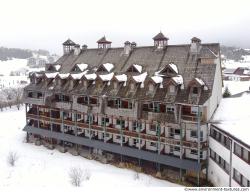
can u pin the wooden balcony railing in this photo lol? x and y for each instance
(163, 140)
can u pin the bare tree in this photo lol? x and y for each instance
(12, 158)
(76, 176)
(17, 96)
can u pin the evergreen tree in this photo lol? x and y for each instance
(226, 93)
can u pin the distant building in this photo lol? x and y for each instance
(238, 74)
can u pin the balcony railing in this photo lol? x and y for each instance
(113, 130)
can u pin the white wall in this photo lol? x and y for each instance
(217, 175)
(216, 92)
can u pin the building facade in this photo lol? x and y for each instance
(150, 103)
(229, 161)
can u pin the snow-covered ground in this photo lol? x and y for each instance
(231, 64)
(236, 86)
(38, 167)
(14, 65)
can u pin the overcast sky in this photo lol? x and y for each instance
(46, 24)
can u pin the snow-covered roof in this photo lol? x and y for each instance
(108, 66)
(91, 76)
(121, 78)
(233, 116)
(140, 78)
(157, 79)
(77, 76)
(63, 75)
(57, 67)
(106, 77)
(51, 75)
(173, 67)
(200, 81)
(82, 66)
(246, 72)
(229, 71)
(138, 67)
(178, 79)
(38, 75)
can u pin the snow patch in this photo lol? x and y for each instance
(106, 77)
(108, 66)
(77, 76)
(173, 67)
(82, 66)
(178, 79)
(121, 78)
(51, 75)
(138, 67)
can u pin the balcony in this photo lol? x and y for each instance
(33, 100)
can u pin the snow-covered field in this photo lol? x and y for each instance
(236, 86)
(37, 167)
(14, 65)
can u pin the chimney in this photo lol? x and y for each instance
(133, 45)
(195, 46)
(127, 48)
(68, 46)
(77, 49)
(84, 47)
(160, 41)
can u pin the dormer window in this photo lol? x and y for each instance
(106, 67)
(195, 90)
(169, 70)
(134, 69)
(115, 85)
(151, 87)
(171, 89)
(132, 87)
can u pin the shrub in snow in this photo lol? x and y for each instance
(136, 176)
(87, 175)
(12, 158)
(226, 93)
(76, 176)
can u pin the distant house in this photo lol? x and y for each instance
(238, 74)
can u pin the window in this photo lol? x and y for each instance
(193, 152)
(245, 182)
(170, 109)
(237, 176)
(115, 85)
(121, 123)
(105, 121)
(171, 89)
(156, 107)
(89, 119)
(177, 131)
(136, 126)
(152, 144)
(118, 103)
(151, 87)
(130, 105)
(177, 148)
(245, 155)
(193, 134)
(212, 154)
(237, 149)
(152, 127)
(195, 90)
